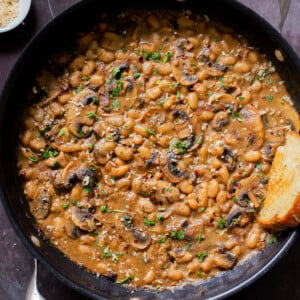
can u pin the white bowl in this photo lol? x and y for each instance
(24, 6)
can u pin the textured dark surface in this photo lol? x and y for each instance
(16, 264)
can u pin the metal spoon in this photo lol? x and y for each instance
(32, 292)
(284, 9)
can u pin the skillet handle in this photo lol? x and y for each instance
(32, 292)
(284, 9)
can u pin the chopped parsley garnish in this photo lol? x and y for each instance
(200, 274)
(241, 98)
(202, 208)
(235, 115)
(125, 279)
(55, 166)
(221, 223)
(160, 218)
(61, 132)
(115, 72)
(85, 78)
(104, 209)
(136, 75)
(175, 85)
(162, 240)
(116, 91)
(155, 72)
(181, 146)
(200, 237)
(156, 56)
(78, 90)
(91, 115)
(106, 253)
(124, 49)
(149, 223)
(272, 239)
(178, 235)
(234, 199)
(187, 246)
(199, 138)
(115, 105)
(49, 152)
(167, 57)
(66, 205)
(269, 98)
(33, 158)
(150, 131)
(202, 256)
(95, 100)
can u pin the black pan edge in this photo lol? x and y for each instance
(274, 36)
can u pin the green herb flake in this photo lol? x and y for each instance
(149, 223)
(221, 223)
(259, 175)
(160, 218)
(187, 246)
(234, 199)
(123, 49)
(200, 236)
(115, 105)
(202, 208)
(272, 239)
(200, 274)
(179, 235)
(78, 90)
(150, 131)
(61, 132)
(91, 115)
(156, 56)
(125, 279)
(241, 98)
(115, 72)
(49, 152)
(155, 72)
(66, 205)
(167, 57)
(235, 115)
(95, 100)
(136, 75)
(33, 158)
(162, 240)
(85, 78)
(269, 98)
(202, 256)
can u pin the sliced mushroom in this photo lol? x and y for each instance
(248, 190)
(230, 158)
(251, 119)
(72, 230)
(135, 235)
(232, 217)
(193, 230)
(268, 151)
(41, 203)
(224, 102)
(159, 191)
(224, 259)
(83, 219)
(171, 170)
(181, 75)
(220, 120)
(118, 70)
(79, 124)
(153, 161)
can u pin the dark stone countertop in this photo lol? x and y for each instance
(16, 263)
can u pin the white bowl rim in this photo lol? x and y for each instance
(24, 6)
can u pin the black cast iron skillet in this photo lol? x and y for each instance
(78, 18)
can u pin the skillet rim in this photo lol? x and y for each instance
(17, 227)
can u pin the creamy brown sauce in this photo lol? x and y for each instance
(147, 158)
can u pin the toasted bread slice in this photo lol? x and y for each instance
(281, 207)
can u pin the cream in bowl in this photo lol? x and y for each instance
(12, 13)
